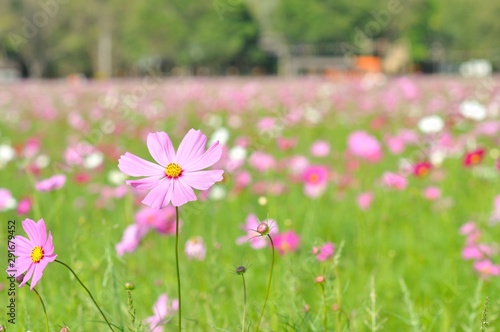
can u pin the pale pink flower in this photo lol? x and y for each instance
(33, 253)
(242, 179)
(195, 248)
(7, 201)
(432, 193)
(262, 161)
(365, 200)
(320, 148)
(486, 268)
(286, 242)
(162, 220)
(394, 181)
(395, 144)
(256, 240)
(175, 175)
(131, 239)
(326, 251)
(285, 143)
(162, 310)
(297, 164)
(363, 145)
(53, 183)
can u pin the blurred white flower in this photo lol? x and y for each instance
(116, 177)
(217, 193)
(7, 153)
(237, 153)
(473, 110)
(431, 124)
(42, 161)
(93, 160)
(195, 248)
(312, 115)
(221, 135)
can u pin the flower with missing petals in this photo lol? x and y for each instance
(175, 174)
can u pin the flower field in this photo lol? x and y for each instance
(364, 204)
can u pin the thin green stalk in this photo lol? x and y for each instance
(268, 283)
(88, 292)
(44, 308)
(339, 299)
(244, 303)
(177, 266)
(325, 309)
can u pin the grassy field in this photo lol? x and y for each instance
(398, 264)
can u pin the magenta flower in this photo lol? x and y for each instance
(365, 146)
(162, 310)
(131, 239)
(33, 253)
(24, 206)
(257, 241)
(175, 175)
(432, 193)
(326, 251)
(53, 183)
(286, 242)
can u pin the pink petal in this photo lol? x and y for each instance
(191, 147)
(32, 231)
(201, 180)
(182, 194)
(132, 165)
(160, 196)
(23, 246)
(48, 247)
(42, 232)
(37, 274)
(145, 183)
(161, 149)
(28, 275)
(22, 265)
(207, 159)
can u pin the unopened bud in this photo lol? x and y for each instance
(19, 279)
(64, 329)
(2, 328)
(263, 229)
(319, 279)
(241, 269)
(129, 286)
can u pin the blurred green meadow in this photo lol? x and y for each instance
(397, 266)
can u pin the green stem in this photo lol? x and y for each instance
(339, 299)
(268, 283)
(177, 266)
(325, 309)
(44, 308)
(244, 304)
(88, 292)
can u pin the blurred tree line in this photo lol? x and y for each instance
(112, 37)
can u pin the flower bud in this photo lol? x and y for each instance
(19, 279)
(319, 279)
(241, 269)
(263, 229)
(64, 329)
(2, 328)
(129, 286)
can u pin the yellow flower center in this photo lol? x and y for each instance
(423, 171)
(173, 170)
(36, 254)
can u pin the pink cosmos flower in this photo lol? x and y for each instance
(162, 220)
(432, 193)
(33, 253)
(395, 144)
(394, 181)
(131, 239)
(320, 148)
(365, 200)
(286, 242)
(326, 251)
(422, 169)
(365, 146)
(257, 241)
(315, 178)
(53, 183)
(262, 161)
(286, 143)
(162, 310)
(473, 158)
(195, 248)
(486, 268)
(24, 206)
(175, 175)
